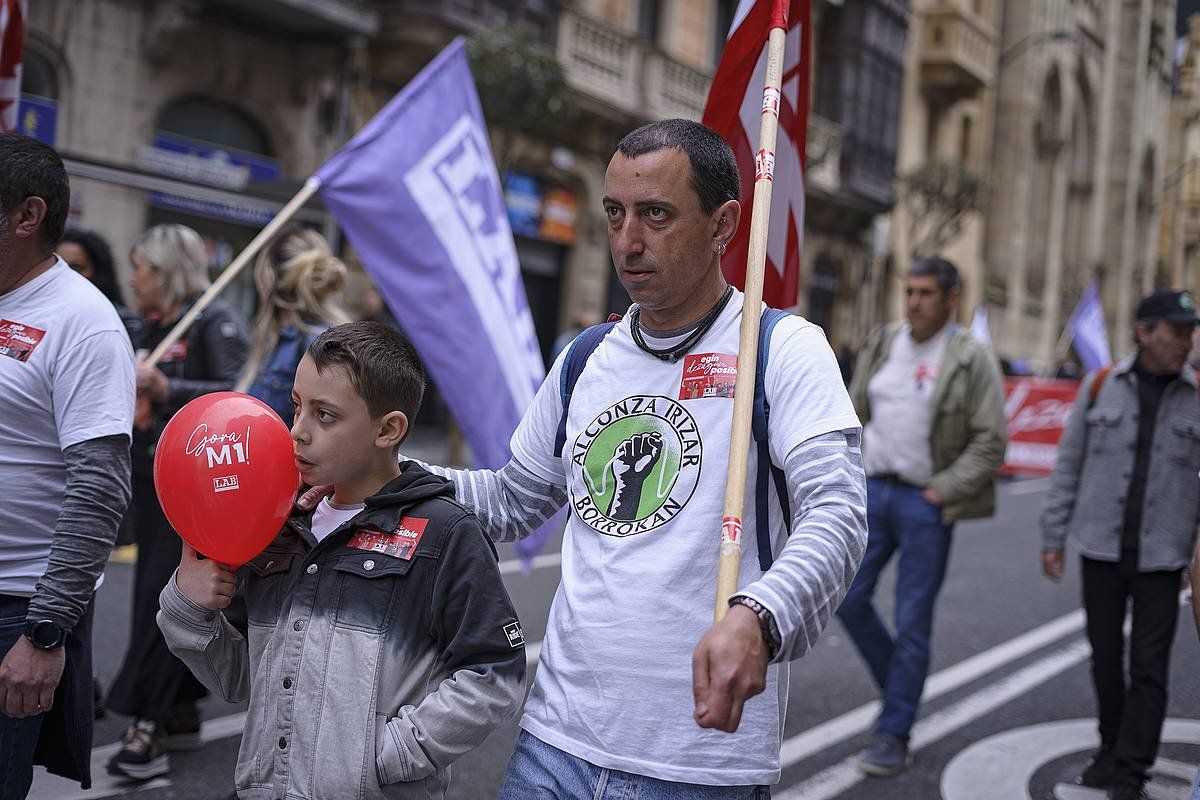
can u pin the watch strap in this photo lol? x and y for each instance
(766, 620)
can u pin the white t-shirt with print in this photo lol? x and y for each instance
(896, 438)
(66, 376)
(645, 471)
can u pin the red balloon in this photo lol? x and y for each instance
(225, 474)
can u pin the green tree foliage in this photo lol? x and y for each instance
(523, 90)
(939, 197)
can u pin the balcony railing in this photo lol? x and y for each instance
(958, 51)
(627, 73)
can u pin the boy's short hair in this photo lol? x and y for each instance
(382, 364)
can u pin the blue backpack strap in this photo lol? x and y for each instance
(578, 353)
(767, 471)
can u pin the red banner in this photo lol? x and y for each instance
(1037, 411)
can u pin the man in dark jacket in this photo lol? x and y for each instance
(1125, 490)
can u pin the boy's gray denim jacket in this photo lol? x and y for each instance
(367, 672)
(1095, 461)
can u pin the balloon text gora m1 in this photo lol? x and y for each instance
(224, 503)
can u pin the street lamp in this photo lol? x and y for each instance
(1021, 45)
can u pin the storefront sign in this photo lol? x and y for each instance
(1037, 410)
(540, 212)
(199, 162)
(37, 118)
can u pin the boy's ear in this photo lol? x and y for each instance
(393, 427)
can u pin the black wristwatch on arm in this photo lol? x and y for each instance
(766, 620)
(45, 634)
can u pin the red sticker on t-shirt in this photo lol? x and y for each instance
(18, 341)
(708, 375)
(401, 542)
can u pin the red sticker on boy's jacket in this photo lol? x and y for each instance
(708, 375)
(401, 542)
(18, 341)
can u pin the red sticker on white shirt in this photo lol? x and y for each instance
(399, 543)
(925, 373)
(708, 375)
(18, 341)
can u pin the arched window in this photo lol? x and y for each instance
(215, 123)
(38, 76)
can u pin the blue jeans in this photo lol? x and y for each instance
(898, 518)
(538, 771)
(18, 737)
(1196, 788)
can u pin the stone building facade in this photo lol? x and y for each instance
(1078, 170)
(213, 112)
(206, 113)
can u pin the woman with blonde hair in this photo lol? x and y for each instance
(300, 284)
(170, 270)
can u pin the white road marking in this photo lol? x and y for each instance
(1001, 766)
(852, 723)
(844, 775)
(545, 560)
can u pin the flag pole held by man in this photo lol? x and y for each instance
(630, 430)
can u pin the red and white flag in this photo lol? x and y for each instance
(734, 109)
(13, 16)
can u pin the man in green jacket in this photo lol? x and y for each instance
(930, 399)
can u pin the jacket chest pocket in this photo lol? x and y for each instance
(1103, 429)
(367, 588)
(1185, 442)
(269, 574)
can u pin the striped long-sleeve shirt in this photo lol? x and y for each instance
(808, 579)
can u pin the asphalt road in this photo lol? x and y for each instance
(1008, 710)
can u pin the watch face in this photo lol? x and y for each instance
(45, 634)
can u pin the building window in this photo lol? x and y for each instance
(725, 10)
(38, 77)
(216, 123)
(649, 17)
(964, 145)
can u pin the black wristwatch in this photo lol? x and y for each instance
(45, 634)
(766, 620)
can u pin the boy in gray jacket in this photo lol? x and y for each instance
(381, 643)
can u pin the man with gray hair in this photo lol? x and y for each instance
(66, 413)
(931, 402)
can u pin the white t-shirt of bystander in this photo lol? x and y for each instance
(896, 437)
(66, 376)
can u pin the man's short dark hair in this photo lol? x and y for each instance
(714, 169)
(382, 364)
(945, 272)
(29, 168)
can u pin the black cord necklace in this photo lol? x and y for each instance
(672, 354)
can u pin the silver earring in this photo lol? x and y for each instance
(721, 249)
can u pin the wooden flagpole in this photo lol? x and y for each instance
(743, 394)
(236, 266)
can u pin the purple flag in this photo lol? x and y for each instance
(418, 195)
(1088, 330)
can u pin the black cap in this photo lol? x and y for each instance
(1169, 305)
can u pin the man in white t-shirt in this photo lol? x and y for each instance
(931, 402)
(66, 414)
(637, 693)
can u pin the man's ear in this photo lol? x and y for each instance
(725, 223)
(393, 427)
(29, 216)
